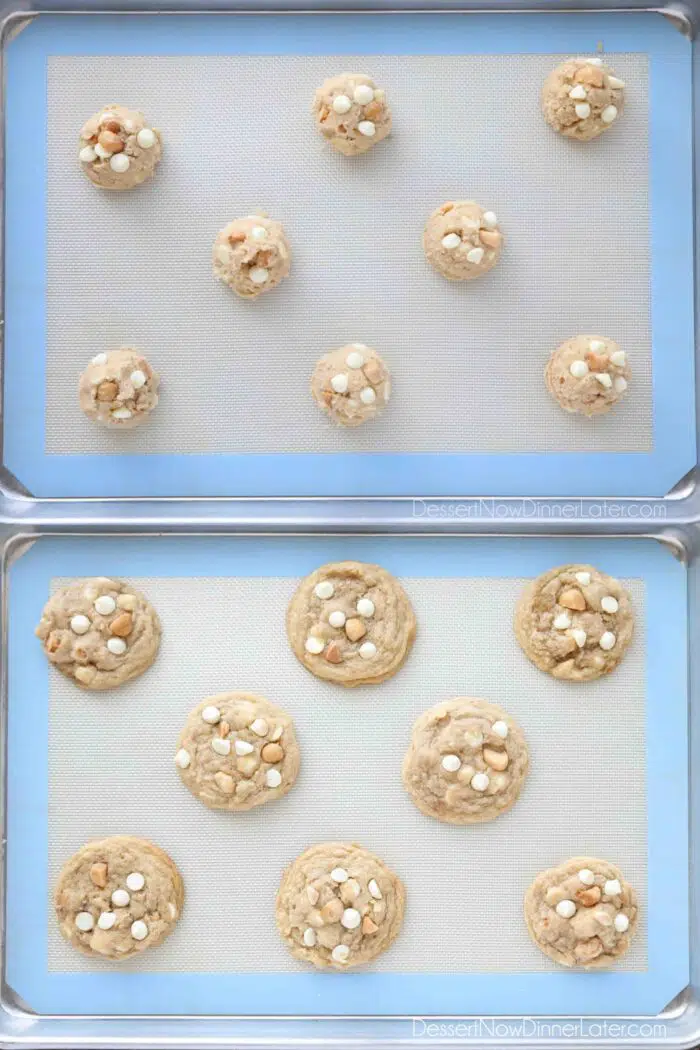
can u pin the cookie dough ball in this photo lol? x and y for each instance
(587, 374)
(582, 98)
(117, 149)
(118, 897)
(582, 913)
(237, 751)
(351, 384)
(251, 255)
(99, 632)
(351, 623)
(339, 906)
(462, 241)
(466, 762)
(351, 112)
(574, 622)
(119, 389)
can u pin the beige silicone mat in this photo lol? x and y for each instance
(467, 361)
(111, 771)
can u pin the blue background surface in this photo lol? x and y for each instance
(559, 992)
(368, 474)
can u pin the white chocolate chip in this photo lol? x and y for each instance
(105, 605)
(618, 358)
(367, 395)
(363, 94)
(242, 747)
(273, 778)
(107, 920)
(87, 155)
(365, 607)
(101, 152)
(480, 781)
(276, 733)
(145, 138)
(116, 646)
(586, 876)
(475, 255)
(341, 104)
(489, 219)
(337, 618)
(314, 645)
(578, 369)
(351, 919)
(451, 240)
(566, 909)
(309, 937)
(258, 274)
(582, 110)
(619, 384)
(578, 93)
(211, 715)
(138, 379)
(79, 624)
(500, 729)
(99, 359)
(612, 887)
(615, 82)
(451, 763)
(119, 163)
(340, 383)
(122, 413)
(221, 745)
(339, 875)
(259, 726)
(374, 890)
(128, 125)
(562, 622)
(596, 345)
(367, 128)
(608, 114)
(135, 881)
(579, 636)
(340, 953)
(367, 650)
(584, 578)
(120, 898)
(621, 922)
(139, 930)
(182, 759)
(604, 379)
(258, 233)
(354, 360)
(609, 604)
(607, 640)
(324, 589)
(84, 921)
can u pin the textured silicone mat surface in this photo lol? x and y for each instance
(111, 770)
(466, 361)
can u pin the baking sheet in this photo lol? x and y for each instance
(110, 770)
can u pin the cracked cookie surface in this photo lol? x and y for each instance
(351, 623)
(119, 389)
(582, 913)
(574, 622)
(466, 762)
(118, 896)
(339, 906)
(117, 149)
(582, 98)
(462, 241)
(351, 113)
(99, 632)
(351, 385)
(251, 255)
(237, 751)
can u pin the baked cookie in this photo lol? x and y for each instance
(117, 149)
(574, 622)
(351, 623)
(237, 751)
(462, 241)
(466, 762)
(118, 389)
(339, 906)
(99, 632)
(251, 255)
(351, 112)
(118, 896)
(582, 98)
(587, 374)
(351, 384)
(581, 913)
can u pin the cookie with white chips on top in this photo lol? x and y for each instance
(237, 751)
(352, 113)
(339, 906)
(251, 255)
(574, 622)
(588, 374)
(462, 241)
(99, 632)
(351, 385)
(117, 149)
(582, 98)
(582, 913)
(467, 761)
(118, 896)
(119, 389)
(351, 623)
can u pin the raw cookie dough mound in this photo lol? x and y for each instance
(574, 622)
(582, 98)
(461, 241)
(587, 374)
(237, 751)
(118, 896)
(119, 389)
(351, 623)
(466, 762)
(351, 384)
(117, 149)
(251, 255)
(99, 632)
(582, 913)
(339, 906)
(352, 113)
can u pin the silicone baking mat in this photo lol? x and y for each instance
(608, 778)
(598, 239)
